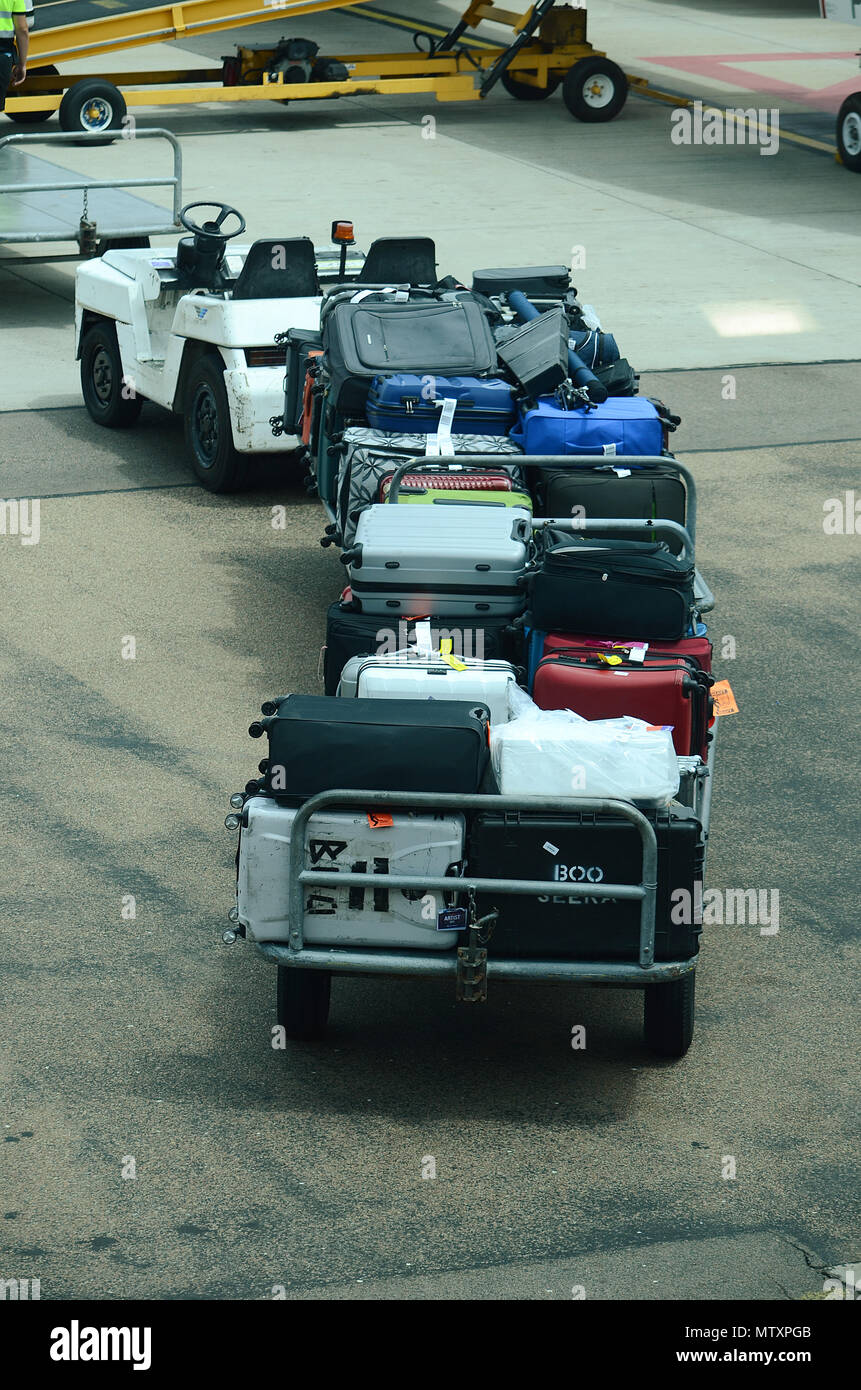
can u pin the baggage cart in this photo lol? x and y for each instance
(305, 972)
(44, 202)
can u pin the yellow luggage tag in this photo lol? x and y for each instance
(609, 659)
(445, 650)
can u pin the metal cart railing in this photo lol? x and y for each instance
(373, 960)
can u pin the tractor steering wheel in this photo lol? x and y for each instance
(212, 228)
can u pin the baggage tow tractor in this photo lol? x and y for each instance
(198, 330)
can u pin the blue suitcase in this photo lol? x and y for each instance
(620, 425)
(485, 405)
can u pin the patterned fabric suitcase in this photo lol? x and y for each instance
(369, 456)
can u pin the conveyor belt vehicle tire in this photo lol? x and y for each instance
(91, 106)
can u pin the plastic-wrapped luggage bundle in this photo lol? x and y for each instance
(558, 753)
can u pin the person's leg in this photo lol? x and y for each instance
(6, 62)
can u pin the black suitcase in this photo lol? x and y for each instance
(537, 355)
(299, 341)
(650, 491)
(619, 379)
(317, 744)
(425, 337)
(545, 281)
(364, 634)
(597, 587)
(583, 848)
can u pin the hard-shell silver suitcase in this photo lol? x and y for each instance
(459, 561)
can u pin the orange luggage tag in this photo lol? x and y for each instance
(724, 700)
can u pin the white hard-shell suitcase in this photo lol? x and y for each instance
(414, 675)
(457, 561)
(343, 841)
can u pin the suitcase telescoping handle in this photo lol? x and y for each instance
(589, 462)
(622, 525)
(454, 465)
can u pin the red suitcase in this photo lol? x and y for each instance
(452, 482)
(664, 689)
(700, 648)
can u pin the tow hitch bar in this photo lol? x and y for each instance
(472, 959)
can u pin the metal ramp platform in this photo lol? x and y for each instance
(45, 202)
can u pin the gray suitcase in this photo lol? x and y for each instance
(368, 456)
(456, 561)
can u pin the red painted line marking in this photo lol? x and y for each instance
(723, 68)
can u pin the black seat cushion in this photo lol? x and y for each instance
(280, 268)
(400, 260)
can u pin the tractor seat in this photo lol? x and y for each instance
(400, 260)
(280, 268)
(199, 260)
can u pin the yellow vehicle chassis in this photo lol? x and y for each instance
(538, 59)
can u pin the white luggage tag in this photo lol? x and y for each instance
(424, 642)
(440, 445)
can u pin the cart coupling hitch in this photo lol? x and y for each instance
(472, 959)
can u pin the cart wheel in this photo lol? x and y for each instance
(524, 92)
(303, 1001)
(92, 106)
(668, 1016)
(208, 432)
(849, 132)
(595, 89)
(102, 382)
(34, 117)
